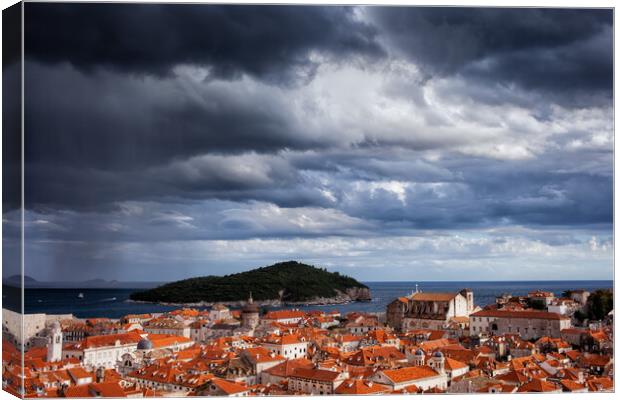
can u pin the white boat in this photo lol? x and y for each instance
(81, 296)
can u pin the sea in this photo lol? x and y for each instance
(114, 303)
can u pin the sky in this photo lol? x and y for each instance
(386, 143)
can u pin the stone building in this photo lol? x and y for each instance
(422, 310)
(527, 324)
(33, 326)
(250, 314)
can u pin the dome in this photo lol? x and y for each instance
(145, 344)
(438, 354)
(419, 352)
(55, 326)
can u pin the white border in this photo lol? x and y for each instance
(479, 3)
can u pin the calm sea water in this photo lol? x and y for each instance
(113, 303)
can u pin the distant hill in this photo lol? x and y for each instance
(287, 282)
(16, 280)
(31, 283)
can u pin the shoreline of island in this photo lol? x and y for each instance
(320, 301)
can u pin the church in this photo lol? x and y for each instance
(421, 310)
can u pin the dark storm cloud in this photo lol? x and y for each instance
(273, 43)
(102, 130)
(557, 51)
(112, 121)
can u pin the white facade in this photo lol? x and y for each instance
(558, 309)
(107, 356)
(290, 351)
(54, 345)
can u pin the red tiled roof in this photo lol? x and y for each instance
(229, 387)
(452, 364)
(434, 296)
(160, 340)
(538, 385)
(571, 386)
(598, 384)
(321, 375)
(105, 389)
(110, 340)
(286, 368)
(284, 314)
(409, 374)
(359, 386)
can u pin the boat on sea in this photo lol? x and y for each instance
(81, 295)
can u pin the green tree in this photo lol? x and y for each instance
(537, 304)
(580, 315)
(599, 304)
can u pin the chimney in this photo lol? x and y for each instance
(100, 374)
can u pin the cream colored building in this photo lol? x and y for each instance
(33, 325)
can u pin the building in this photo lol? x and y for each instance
(219, 311)
(33, 326)
(288, 346)
(540, 295)
(580, 296)
(222, 387)
(283, 317)
(54, 344)
(422, 377)
(362, 387)
(250, 314)
(167, 326)
(315, 381)
(527, 324)
(423, 310)
(136, 318)
(563, 306)
(106, 350)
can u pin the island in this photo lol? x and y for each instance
(289, 282)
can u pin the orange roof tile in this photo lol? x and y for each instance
(422, 296)
(359, 386)
(409, 374)
(229, 387)
(321, 375)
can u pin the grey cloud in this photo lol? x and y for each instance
(560, 52)
(274, 43)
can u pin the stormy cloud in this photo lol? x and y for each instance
(191, 139)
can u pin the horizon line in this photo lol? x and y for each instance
(368, 281)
